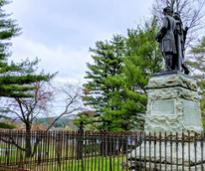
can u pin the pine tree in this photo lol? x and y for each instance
(108, 60)
(110, 117)
(89, 120)
(118, 76)
(143, 58)
(15, 79)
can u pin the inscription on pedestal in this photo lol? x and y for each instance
(191, 113)
(163, 107)
(173, 104)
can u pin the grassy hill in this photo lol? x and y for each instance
(61, 123)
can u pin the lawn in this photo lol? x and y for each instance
(89, 164)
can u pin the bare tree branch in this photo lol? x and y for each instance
(72, 105)
(11, 141)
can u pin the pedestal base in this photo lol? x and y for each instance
(168, 156)
(168, 167)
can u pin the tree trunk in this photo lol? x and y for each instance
(28, 152)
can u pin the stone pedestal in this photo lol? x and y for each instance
(170, 156)
(173, 104)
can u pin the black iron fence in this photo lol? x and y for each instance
(101, 151)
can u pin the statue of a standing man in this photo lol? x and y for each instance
(180, 39)
(167, 40)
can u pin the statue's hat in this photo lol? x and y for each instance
(176, 15)
(168, 9)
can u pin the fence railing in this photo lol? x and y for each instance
(101, 151)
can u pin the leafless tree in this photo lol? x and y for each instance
(71, 100)
(29, 109)
(191, 11)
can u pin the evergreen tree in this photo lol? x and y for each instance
(89, 120)
(143, 58)
(117, 79)
(15, 79)
(108, 59)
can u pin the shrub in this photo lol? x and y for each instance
(6, 126)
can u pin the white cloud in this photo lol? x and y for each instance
(66, 81)
(69, 63)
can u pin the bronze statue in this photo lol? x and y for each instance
(180, 39)
(172, 39)
(166, 38)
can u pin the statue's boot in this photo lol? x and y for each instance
(186, 70)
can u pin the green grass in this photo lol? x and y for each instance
(9, 156)
(91, 164)
(113, 163)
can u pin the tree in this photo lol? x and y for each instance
(141, 61)
(27, 110)
(89, 120)
(116, 82)
(191, 11)
(108, 61)
(15, 79)
(18, 82)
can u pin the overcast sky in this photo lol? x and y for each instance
(61, 32)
